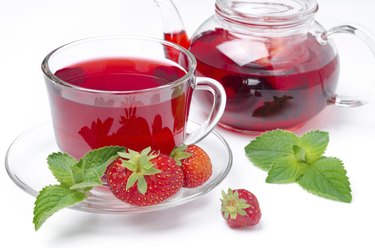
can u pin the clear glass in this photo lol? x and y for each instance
(38, 142)
(267, 13)
(86, 118)
(278, 65)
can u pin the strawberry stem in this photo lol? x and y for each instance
(179, 154)
(140, 164)
(232, 204)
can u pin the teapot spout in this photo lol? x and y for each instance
(173, 27)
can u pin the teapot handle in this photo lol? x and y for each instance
(369, 40)
(217, 110)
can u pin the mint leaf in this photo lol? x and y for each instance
(289, 158)
(86, 186)
(96, 159)
(61, 165)
(76, 179)
(314, 143)
(53, 198)
(271, 146)
(94, 163)
(327, 178)
(299, 153)
(285, 170)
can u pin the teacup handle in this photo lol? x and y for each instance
(217, 110)
(369, 40)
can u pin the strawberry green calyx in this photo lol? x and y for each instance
(140, 164)
(179, 154)
(232, 204)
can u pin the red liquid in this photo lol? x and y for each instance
(274, 83)
(179, 38)
(85, 121)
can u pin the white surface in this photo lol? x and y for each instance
(291, 217)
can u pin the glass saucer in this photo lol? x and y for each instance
(38, 142)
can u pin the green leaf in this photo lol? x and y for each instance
(86, 186)
(314, 143)
(94, 163)
(98, 158)
(286, 170)
(327, 178)
(271, 146)
(53, 198)
(289, 158)
(93, 176)
(299, 153)
(61, 165)
(76, 179)
(78, 174)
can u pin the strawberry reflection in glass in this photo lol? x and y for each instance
(134, 133)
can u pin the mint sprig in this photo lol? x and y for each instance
(288, 158)
(327, 177)
(53, 198)
(76, 179)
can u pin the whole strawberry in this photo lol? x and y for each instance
(240, 208)
(145, 178)
(196, 164)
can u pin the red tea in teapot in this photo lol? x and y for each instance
(270, 82)
(81, 127)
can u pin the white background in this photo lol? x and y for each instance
(29, 29)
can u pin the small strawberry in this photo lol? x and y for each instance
(145, 178)
(240, 208)
(196, 164)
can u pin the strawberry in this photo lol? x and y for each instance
(240, 208)
(145, 178)
(196, 164)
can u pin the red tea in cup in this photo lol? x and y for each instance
(98, 98)
(135, 124)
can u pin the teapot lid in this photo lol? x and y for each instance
(267, 12)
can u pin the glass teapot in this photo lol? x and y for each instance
(277, 64)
